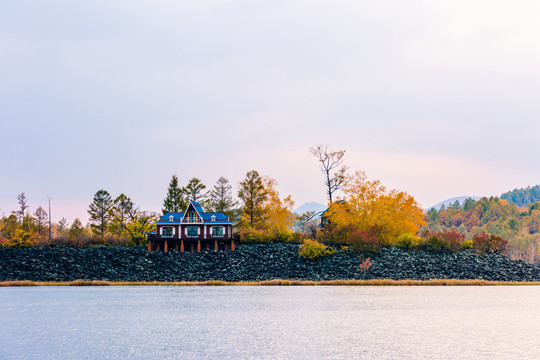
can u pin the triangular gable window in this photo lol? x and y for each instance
(192, 215)
(192, 208)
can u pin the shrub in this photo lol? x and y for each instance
(432, 244)
(407, 241)
(313, 250)
(445, 240)
(21, 238)
(365, 265)
(484, 243)
(364, 241)
(296, 238)
(467, 244)
(252, 235)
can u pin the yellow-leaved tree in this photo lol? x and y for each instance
(279, 218)
(369, 211)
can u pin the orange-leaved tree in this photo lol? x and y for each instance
(279, 218)
(369, 208)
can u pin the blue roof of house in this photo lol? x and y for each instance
(220, 218)
(197, 207)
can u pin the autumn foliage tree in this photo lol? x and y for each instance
(279, 217)
(518, 226)
(264, 215)
(369, 209)
(489, 244)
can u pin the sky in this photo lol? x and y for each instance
(435, 98)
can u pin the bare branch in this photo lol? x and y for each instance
(330, 162)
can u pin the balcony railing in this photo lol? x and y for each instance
(187, 237)
(192, 220)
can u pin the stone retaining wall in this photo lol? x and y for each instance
(250, 262)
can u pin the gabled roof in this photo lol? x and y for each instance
(220, 218)
(197, 206)
(165, 219)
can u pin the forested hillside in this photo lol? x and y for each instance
(520, 226)
(523, 197)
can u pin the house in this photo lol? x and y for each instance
(192, 230)
(325, 215)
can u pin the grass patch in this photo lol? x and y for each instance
(275, 282)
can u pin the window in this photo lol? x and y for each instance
(192, 231)
(217, 231)
(171, 218)
(166, 232)
(192, 217)
(213, 217)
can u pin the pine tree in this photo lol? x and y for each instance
(253, 195)
(194, 190)
(174, 201)
(220, 197)
(121, 212)
(76, 230)
(99, 212)
(62, 226)
(40, 218)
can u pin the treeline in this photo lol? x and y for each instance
(519, 226)
(257, 212)
(112, 222)
(523, 197)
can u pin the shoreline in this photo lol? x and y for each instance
(276, 282)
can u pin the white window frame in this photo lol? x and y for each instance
(222, 231)
(163, 231)
(193, 236)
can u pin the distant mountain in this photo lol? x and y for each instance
(523, 197)
(447, 202)
(310, 206)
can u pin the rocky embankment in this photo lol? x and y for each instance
(250, 262)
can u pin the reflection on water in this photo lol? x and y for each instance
(270, 323)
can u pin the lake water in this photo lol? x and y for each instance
(270, 322)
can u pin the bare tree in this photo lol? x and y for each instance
(21, 198)
(332, 168)
(309, 222)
